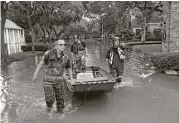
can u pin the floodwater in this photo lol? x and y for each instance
(139, 98)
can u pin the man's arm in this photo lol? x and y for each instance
(68, 68)
(70, 74)
(72, 56)
(72, 53)
(107, 59)
(71, 82)
(86, 51)
(40, 65)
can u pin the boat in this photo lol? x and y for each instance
(92, 78)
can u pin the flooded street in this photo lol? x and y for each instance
(138, 99)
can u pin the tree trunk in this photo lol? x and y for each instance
(44, 34)
(59, 34)
(67, 38)
(50, 38)
(118, 26)
(3, 17)
(32, 34)
(49, 35)
(144, 31)
(55, 32)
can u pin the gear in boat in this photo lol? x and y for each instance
(92, 79)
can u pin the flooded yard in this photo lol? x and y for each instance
(138, 99)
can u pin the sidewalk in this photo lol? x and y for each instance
(19, 57)
(144, 43)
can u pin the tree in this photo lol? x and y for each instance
(69, 13)
(78, 28)
(114, 13)
(25, 12)
(117, 12)
(4, 9)
(52, 17)
(57, 16)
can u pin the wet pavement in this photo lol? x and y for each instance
(138, 99)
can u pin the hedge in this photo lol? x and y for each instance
(26, 48)
(167, 61)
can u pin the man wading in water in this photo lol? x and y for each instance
(55, 62)
(79, 53)
(115, 58)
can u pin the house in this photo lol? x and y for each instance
(153, 27)
(171, 19)
(13, 37)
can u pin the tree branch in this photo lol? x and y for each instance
(44, 9)
(145, 4)
(47, 30)
(32, 11)
(159, 4)
(54, 31)
(136, 4)
(9, 9)
(21, 5)
(58, 35)
(159, 10)
(6, 9)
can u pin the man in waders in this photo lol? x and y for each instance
(115, 58)
(79, 53)
(55, 62)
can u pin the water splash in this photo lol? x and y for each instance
(143, 76)
(126, 81)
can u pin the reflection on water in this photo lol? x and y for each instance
(23, 100)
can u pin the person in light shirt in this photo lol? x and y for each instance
(115, 57)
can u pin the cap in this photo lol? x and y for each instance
(115, 38)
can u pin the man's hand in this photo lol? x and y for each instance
(86, 55)
(72, 81)
(123, 45)
(34, 78)
(73, 59)
(70, 84)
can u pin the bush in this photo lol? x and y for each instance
(166, 61)
(25, 48)
(28, 38)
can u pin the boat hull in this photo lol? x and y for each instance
(102, 81)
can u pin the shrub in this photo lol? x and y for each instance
(26, 48)
(166, 61)
(28, 38)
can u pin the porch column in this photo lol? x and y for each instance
(7, 41)
(14, 41)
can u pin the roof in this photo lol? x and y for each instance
(11, 25)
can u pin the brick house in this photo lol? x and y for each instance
(171, 20)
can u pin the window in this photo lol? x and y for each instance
(138, 31)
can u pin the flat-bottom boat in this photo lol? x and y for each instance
(92, 79)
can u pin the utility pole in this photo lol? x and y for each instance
(102, 27)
